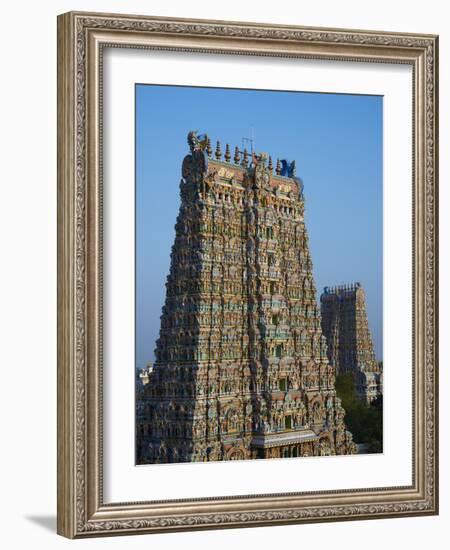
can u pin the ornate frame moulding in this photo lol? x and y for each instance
(81, 509)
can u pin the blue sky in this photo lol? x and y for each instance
(336, 141)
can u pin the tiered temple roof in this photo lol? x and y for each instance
(241, 366)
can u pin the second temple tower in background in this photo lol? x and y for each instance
(350, 346)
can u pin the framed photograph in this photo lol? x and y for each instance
(247, 274)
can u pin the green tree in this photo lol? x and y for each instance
(364, 421)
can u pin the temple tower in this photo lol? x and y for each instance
(241, 366)
(350, 347)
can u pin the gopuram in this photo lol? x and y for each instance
(241, 368)
(350, 347)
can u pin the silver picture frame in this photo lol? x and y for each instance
(82, 37)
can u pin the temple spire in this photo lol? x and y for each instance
(236, 157)
(245, 159)
(218, 151)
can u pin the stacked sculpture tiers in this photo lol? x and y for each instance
(241, 368)
(350, 347)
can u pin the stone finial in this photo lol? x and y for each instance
(278, 168)
(245, 159)
(208, 147)
(270, 165)
(236, 157)
(218, 151)
(227, 153)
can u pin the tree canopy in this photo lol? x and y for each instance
(364, 421)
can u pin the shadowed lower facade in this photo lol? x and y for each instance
(241, 367)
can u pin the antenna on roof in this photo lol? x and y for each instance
(247, 140)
